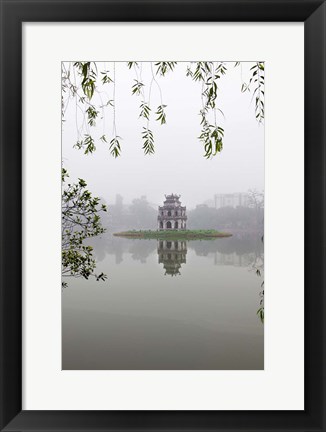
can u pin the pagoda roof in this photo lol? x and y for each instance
(172, 197)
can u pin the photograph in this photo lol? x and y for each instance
(173, 194)
(163, 180)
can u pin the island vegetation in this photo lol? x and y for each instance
(173, 234)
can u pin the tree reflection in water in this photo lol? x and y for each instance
(240, 250)
(258, 267)
(248, 253)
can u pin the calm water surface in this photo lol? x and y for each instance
(167, 305)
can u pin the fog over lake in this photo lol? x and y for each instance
(169, 303)
(178, 164)
(161, 310)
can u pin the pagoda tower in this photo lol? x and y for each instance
(172, 215)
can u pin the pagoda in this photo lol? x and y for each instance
(172, 215)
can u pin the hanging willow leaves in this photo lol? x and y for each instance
(212, 139)
(221, 69)
(244, 87)
(208, 74)
(199, 72)
(89, 78)
(210, 92)
(148, 139)
(161, 114)
(87, 144)
(212, 75)
(164, 67)
(258, 80)
(144, 110)
(110, 102)
(137, 88)
(130, 64)
(92, 114)
(259, 92)
(115, 148)
(106, 79)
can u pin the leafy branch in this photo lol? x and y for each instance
(90, 112)
(106, 79)
(144, 110)
(137, 88)
(115, 148)
(88, 144)
(258, 80)
(80, 221)
(164, 67)
(89, 81)
(89, 76)
(131, 64)
(148, 139)
(161, 114)
(208, 73)
(212, 138)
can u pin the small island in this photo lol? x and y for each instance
(173, 234)
(172, 225)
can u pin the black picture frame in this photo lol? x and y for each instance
(13, 14)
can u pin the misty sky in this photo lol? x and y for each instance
(178, 164)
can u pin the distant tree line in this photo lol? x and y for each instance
(137, 215)
(141, 215)
(239, 218)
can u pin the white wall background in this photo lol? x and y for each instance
(280, 386)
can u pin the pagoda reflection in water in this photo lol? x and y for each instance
(172, 254)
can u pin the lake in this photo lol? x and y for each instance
(167, 305)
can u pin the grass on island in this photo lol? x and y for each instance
(173, 234)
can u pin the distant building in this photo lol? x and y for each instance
(172, 215)
(231, 200)
(118, 201)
